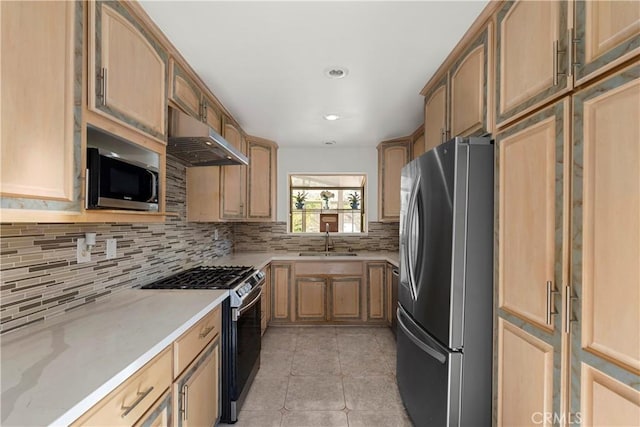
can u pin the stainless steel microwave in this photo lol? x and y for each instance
(117, 183)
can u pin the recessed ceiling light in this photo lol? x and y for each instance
(336, 72)
(332, 142)
(331, 117)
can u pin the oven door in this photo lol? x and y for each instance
(248, 343)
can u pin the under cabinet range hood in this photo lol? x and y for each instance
(196, 144)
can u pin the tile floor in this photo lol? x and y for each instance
(325, 377)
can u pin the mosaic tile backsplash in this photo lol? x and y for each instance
(273, 237)
(40, 276)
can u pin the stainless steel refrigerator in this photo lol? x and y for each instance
(444, 312)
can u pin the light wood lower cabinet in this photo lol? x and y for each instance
(377, 295)
(126, 404)
(154, 397)
(197, 391)
(311, 298)
(159, 415)
(281, 292)
(340, 292)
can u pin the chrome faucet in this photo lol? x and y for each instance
(326, 237)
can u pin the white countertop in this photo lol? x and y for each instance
(261, 259)
(55, 371)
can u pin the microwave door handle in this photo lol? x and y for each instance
(154, 186)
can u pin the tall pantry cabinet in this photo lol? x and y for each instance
(567, 348)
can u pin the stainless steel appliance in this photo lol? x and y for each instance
(196, 144)
(115, 182)
(241, 339)
(444, 312)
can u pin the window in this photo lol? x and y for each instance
(327, 202)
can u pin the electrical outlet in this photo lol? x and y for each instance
(112, 246)
(82, 252)
(215, 234)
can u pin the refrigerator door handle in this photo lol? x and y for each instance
(413, 198)
(431, 351)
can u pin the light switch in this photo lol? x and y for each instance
(112, 245)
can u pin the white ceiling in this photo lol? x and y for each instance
(265, 61)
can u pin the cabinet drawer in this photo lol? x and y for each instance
(127, 403)
(191, 343)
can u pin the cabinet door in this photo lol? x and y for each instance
(203, 194)
(40, 134)
(607, 33)
(127, 70)
(392, 156)
(212, 115)
(468, 89)
(346, 298)
(280, 292)
(376, 292)
(531, 56)
(435, 115)
(530, 221)
(418, 146)
(185, 92)
(265, 305)
(160, 413)
(233, 185)
(261, 188)
(605, 285)
(311, 298)
(197, 391)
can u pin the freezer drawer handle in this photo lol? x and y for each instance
(424, 347)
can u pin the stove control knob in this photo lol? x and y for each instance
(241, 291)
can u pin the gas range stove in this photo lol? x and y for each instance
(240, 280)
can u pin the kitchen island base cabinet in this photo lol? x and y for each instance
(197, 391)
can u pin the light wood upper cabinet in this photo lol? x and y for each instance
(418, 146)
(184, 92)
(261, 179)
(469, 82)
(197, 391)
(203, 194)
(531, 222)
(392, 156)
(532, 56)
(607, 33)
(212, 115)
(40, 136)
(605, 283)
(435, 115)
(127, 70)
(233, 179)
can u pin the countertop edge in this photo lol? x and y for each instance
(111, 384)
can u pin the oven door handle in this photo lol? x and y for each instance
(253, 302)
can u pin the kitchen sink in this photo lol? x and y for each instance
(313, 253)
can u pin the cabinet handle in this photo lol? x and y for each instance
(140, 398)
(206, 331)
(556, 52)
(442, 135)
(185, 401)
(102, 86)
(204, 111)
(573, 42)
(551, 307)
(568, 318)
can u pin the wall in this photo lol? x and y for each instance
(273, 237)
(40, 276)
(324, 160)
